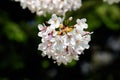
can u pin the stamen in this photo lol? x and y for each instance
(61, 26)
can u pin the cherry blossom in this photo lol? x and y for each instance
(61, 42)
(41, 7)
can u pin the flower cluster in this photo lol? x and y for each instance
(61, 42)
(41, 7)
(112, 1)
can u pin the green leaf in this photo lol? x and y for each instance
(110, 15)
(13, 32)
(71, 64)
(45, 64)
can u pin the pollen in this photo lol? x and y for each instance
(61, 26)
(67, 29)
(59, 32)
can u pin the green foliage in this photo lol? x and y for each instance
(72, 64)
(110, 16)
(45, 64)
(13, 32)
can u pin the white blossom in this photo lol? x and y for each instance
(112, 1)
(61, 42)
(41, 7)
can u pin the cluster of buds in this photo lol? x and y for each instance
(62, 42)
(59, 7)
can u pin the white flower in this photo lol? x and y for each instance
(112, 1)
(81, 24)
(61, 42)
(55, 21)
(41, 7)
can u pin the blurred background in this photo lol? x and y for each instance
(20, 59)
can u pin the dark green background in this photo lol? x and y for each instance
(20, 59)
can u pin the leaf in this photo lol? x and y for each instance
(13, 32)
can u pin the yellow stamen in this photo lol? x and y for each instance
(59, 33)
(67, 29)
(61, 26)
